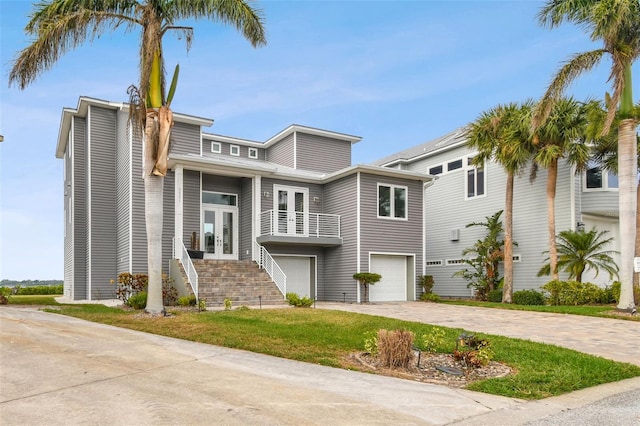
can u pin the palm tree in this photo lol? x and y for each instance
(616, 23)
(62, 25)
(580, 250)
(561, 137)
(502, 135)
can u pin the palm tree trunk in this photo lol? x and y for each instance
(153, 207)
(507, 288)
(627, 175)
(552, 179)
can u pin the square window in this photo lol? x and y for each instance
(234, 150)
(392, 201)
(216, 147)
(253, 152)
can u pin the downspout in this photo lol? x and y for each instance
(425, 186)
(358, 234)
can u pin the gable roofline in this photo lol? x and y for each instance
(214, 137)
(83, 107)
(449, 141)
(238, 167)
(312, 131)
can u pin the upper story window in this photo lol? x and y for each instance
(392, 201)
(219, 198)
(475, 180)
(437, 170)
(454, 165)
(234, 150)
(253, 152)
(598, 179)
(216, 147)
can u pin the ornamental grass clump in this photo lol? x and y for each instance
(395, 348)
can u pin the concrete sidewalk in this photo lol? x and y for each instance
(60, 370)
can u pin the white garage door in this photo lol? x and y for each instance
(298, 272)
(603, 224)
(393, 285)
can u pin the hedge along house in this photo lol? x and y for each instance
(294, 204)
(466, 194)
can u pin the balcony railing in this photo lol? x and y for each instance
(299, 224)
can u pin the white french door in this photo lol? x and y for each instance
(220, 231)
(291, 205)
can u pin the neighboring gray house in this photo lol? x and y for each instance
(295, 195)
(465, 194)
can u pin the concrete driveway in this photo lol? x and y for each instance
(58, 370)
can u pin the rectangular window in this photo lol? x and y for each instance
(392, 201)
(454, 165)
(216, 147)
(253, 152)
(455, 261)
(434, 262)
(594, 178)
(612, 180)
(597, 178)
(219, 198)
(437, 170)
(234, 150)
(475, 182)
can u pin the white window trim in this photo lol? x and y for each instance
(218, 193)
(455, 262)
(234, 148)
(392, 202)
(216, 147)
(434, 262)
(466, 169)
(253, 152)
(605, 182)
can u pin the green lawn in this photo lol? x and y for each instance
(46, 300)
(603, 311)
(326, 337)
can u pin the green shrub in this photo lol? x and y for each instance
(613, 292)
(299, 302)
(494, 296)
(575, 293)
(189, 300)
(371, 343)
(5, 293)
(39, 289)
(138, 300)
(430, 297)
(228, 304)
(169, 292)
(426, 282)
(473, 351)
(528, 297)
(433, 340)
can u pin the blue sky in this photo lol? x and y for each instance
(396, 73)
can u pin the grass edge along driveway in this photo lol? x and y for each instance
(325, 337)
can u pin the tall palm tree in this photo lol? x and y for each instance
(562, 136)
(59, 26)
(616, 23)
(582, 250)
(502, 134)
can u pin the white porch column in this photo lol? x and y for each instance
(179, 203)
(256, 209)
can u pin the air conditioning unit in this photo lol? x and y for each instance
(454, 234)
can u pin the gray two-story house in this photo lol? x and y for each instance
(465, 194)
(294, 201)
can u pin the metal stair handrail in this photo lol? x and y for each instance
(265, 261)
(180, 252)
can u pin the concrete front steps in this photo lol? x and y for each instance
(241, 281)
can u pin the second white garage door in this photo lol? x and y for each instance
(298, 272)
(393, 285)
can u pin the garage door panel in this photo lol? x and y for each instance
(298, 272)
(392, 287)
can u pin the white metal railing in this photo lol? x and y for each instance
(180, 252)
(299, 224)
(264, 260)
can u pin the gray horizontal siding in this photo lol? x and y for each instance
(68, 222)
(168, 223)
(138, 226)
(321, 154)
(340, 261)
(224, 184)
(185, 138)
(123, 179)
(602, 203)
(103, 201)
(226, 150)
(282, 152)
(79, 209)
(246, 219)
(390, 235)
(191, 205)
